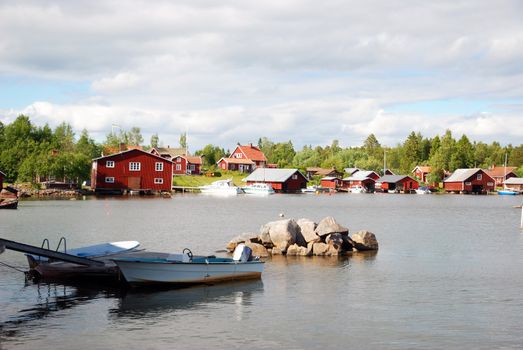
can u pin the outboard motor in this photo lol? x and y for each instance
(242, 253)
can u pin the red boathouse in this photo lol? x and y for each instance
(469, 181)
(281, 180)
(131, 170)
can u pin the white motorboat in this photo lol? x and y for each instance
(423, 190)
(258, 188)
(309, 189)
(357, 189)
(221, 187)
(191, 270)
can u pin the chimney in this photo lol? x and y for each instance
(123, 147)
(250, 144)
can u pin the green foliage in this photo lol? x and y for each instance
(211, 154)
(183, 140)
(155, 141)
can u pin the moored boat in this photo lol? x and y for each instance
(221, 187)
(423, 190)
(191, 270)
(258, 188)
(357, 189)
(507, 192)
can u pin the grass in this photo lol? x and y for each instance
(201, 180)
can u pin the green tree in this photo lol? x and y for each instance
(134, 137)
(183, 140)
(155, 140)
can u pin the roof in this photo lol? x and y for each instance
(514, 181)
(322, 171)
(271, 175)
(236, 161)
(360, 175)
(132, 150)
(194, 159)
(252, 152)
(351, 171)
(329, 178)
(460, 175)
(172, 152)
(392, 178)
(499, 171)
(423, 168)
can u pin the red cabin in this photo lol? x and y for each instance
(187, 165)
(331, 182)
(421, 172)
(244, 158)
(364, 178)
(131, 170)
(397, 183)
(469, 181)
(281, 180)
(500, 173)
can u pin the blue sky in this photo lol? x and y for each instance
(238, 70)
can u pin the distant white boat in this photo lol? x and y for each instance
(221, 187)
(309, 189)
(357, 189)
(423, 190)
(191, 270)
(258, 188)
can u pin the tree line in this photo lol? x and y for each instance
(30, 153)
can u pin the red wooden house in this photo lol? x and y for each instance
(281, 180)
(331, 182)
(2, 176)
(364, 178)
(187, 165)
(501, 173)
(469, 181)
(131, 170)
(397, 183)
(244, 158)
(421, 172)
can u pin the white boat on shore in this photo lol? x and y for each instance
(221, 187)
(423, 190)
(191, 270)
(258, 188)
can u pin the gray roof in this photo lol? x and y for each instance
(391, 178)
(360, 175)
(351, 171)
(514, 181)
(460, 175)
(271, 175)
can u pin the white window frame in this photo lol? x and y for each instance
(479, 177)
(109, 163)
(179, 160)
(295, 177)
(468, 183)
(178, 167)
(158, 181)
(158, 166)
(109, 180)
(135, 166)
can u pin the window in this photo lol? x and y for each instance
(478, 177)
(158, 166)
(238, 155)
(490, 184)
(178, 159)
(158, 180)
(109, 180)
(192, 167)
(178, 167)
(109, 164)
(294, 177)
(134, 166)
(468, 183)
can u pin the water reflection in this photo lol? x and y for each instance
(137, 303)
(51, 298)
(324, 261)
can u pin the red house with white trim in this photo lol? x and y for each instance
(131, 170)
(187, 165)
(469, 181)
(500, 173)
(244, 158)
(421, 172)
(331, 182)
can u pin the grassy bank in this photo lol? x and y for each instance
(201, 180)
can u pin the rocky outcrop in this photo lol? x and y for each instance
(305, 238)
(365, 240)
(328, 226)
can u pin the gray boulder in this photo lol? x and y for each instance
(281, 233)
(328, 226)
(258, 249)
(307, 228)
(242, 238)
(293, 249)
(319, 248)
(365, 240)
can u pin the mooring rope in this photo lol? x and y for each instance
(12, 267)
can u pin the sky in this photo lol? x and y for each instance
(235, 71)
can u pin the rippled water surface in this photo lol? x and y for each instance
(449, 274)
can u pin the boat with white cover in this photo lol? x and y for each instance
(221, 187)
(190, 269)
(258, 188)
(423, 190)
(357, 189)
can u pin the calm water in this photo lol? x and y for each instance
(448, 275)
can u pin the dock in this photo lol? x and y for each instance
(184, 189)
